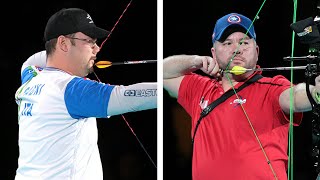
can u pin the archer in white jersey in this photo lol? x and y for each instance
(57, 116)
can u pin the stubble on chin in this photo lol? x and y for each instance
(91, 69)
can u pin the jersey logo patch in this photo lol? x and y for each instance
(203, 103)
(238, 102)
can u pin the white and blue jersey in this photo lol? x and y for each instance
(57, 122)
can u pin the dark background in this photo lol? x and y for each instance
(134, 38)
(187, 29)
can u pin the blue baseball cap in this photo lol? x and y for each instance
(233, 20)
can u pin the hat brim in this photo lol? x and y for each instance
(95, 32)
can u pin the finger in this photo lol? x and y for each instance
(211, 65)
(215, 68)
(215, 72)
(205, 64)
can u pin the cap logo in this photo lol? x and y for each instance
(89, 17)
(234, 19)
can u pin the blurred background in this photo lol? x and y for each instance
(134, 38)
(187, 29)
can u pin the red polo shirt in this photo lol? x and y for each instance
(225, 147)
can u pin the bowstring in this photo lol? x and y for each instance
(114, 26)
(232, 86)
(127, 123)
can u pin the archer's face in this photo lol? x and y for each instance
(237, 49)
(83, 52)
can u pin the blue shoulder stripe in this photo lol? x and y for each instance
(86, 98)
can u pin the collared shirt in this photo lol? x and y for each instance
(225, 147)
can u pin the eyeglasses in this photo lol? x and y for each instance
(90, 41)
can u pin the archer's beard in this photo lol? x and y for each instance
(90, 70)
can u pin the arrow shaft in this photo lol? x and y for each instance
(309, 57)
(134, 62)
(278, 68)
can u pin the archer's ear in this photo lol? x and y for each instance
(213, 52)
(62, 43)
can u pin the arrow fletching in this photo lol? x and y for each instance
(238, 70)
(103, 64)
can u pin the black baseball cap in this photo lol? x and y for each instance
(72, 20)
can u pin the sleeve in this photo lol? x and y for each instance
(32, 66)
(276, 92)
(38, 59)
(191, 89)
(87, 98)
(29, 72)
(136, 97)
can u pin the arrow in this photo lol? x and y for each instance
(238, 70)
(105, 64)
